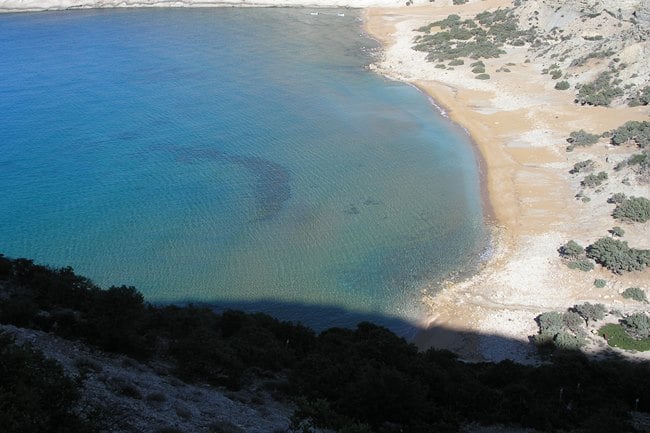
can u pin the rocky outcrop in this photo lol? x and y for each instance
(135, 397)
(585, 38)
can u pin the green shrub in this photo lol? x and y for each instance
(440, 66)
(465, 38)
(556, 74)
(637, 325)
(562, 85)
(642, 98)
(582, 138)
(618, 197)
(583, 265)
(617, 256)
(565, 341)
(617, 232)
(456, 62)
(573, 322)
(594, 180)
(482, 77)
(477, 64)
(571, 249)
(590, 312)
(478, 70)
(635, 293)
(600, 283)
(581, 166)
(35, 395)
(638, 132)
(550, 322)
(635, 209)
(601, 91)
(617, 336)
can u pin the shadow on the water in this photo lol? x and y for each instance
(316, 317)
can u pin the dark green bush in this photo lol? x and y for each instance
(582, 166)
(35, 395)
(465, 38)
(600, 283)
(456, 62)
(635, 293)
(617, 231)
(637, 325)
(590, 312)
(582, 138)
(642, 98)
(635, 209)
(562, 85)
(571, 249)
(638, 132)
(594, 180)
(482, 77)
(618, 197)
(601, 91)
(617, 256)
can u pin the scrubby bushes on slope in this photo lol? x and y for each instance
(366, 379)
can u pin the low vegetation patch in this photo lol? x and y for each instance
(35, 394)
(571, 249)
(617, 231)
(582, 138)
(616, 336)
(481, 37)
(632, 131)
(562, 85)
(642, 98)
(581, 264)
(635, 293)
(574, 254)
(594, 180)
(636, 209)
(601, 91)
(582, 166)
(617, 256)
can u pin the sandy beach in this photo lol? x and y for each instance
(520, 125)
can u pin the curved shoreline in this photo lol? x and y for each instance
(518, 123)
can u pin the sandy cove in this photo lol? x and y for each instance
(519, 124)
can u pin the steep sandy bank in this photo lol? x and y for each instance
(520, 124)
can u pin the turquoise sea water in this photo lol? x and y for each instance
(230, 156)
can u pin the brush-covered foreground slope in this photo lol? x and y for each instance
(131, 366)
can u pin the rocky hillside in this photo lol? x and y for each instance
(597, 49)
(120, 394)
(588, 41)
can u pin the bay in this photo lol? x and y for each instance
(235, 157)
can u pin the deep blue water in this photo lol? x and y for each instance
(230, 156)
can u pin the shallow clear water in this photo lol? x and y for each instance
(231, 156)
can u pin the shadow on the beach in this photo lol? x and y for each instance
(471, 346)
